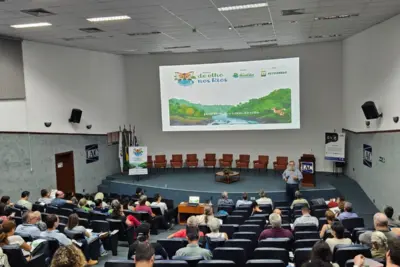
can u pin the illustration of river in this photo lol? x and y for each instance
(222, 119)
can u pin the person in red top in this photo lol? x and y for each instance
(143, 207)
(335, 203)
(276, 231)
(191, 222)
(118, 214)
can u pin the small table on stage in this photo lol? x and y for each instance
(185, 211)
(227, 178)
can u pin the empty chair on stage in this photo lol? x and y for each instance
(160, 161)
(281, 163)
(149, 162)
(210, 160)
(243, 161)
(192, 160)
(261, 163)
(226, 161)
(176, 161)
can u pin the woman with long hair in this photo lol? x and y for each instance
(330, 218)
(3, 242)
(143, 236)
(207, 216)
(9, 229)
(255, 208)
(321, 256)
(117, 213)
(5, 213)
(69, 256)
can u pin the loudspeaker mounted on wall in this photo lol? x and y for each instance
(396, 119)
(367, 123)
(47, 124)
(370, 110)
(76, 115)
(89, 126)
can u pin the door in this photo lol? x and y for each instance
(65, 172)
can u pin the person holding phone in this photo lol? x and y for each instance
(292, 176)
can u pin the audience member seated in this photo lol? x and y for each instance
(348, 212)
(6, 200)
(190, 223)
(338, 236)
(118, 214)
(90, 200)
(333, 203)
(144, 256)
(379, 245)
(73, 225)
(243, 201)
(306, 218)
(100, 196)
(276, 231)
(255, 208)
(264, 200)
(277, 211)
(5, 213)
(139, 193)
(214, 224)
(59, 201)
(392, 256)
(3, 241)
(45, 199)
(298, 199)
(381, 225)
(99, 207)
(9, 229)
(330, 218)
(224, 200)
(142, 206)
(83, 205)
(52, 222)
(321, 256)
(68, 256)
(207, 216)
(40, 224)
(389, 213)
(29, 225)
(143, 236)
(24, 200)
(193, 249)
(157, 203)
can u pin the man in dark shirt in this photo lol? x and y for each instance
(99, 206)
(143, 235)
(276, 230)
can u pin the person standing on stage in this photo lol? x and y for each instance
(292, 176)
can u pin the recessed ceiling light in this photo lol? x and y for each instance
(241, 7)
(262, 41)
(293, 22)
(38, 12)
(344, 16)
(112, 18)
(293, 12)
(324, 36)
(143, 33)
(253, 25)
(177, 47)
(31, 25)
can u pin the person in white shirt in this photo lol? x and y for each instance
(157, 203)
(46, 199)
(9, 229)
(243, 201)
(52, 222)
(338, 236)
(264, 200)
(306, 218)
(24, 200)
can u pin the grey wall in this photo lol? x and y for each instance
(18, 172)
(381, 182)
(320, 105)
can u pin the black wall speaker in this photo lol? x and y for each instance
(76, 115)
(370, 110)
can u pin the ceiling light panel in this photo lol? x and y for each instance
(242, 7)
(111, 18)
(344, 16)
(30, 25)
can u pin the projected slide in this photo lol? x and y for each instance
(251, 95)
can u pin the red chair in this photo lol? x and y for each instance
(192, 161)
(261, 163)
(226, 161)
(149, 162)
(210, 160)
(281, 163)
(176, 161)
(243, 161)
(160, 161)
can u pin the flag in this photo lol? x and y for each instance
(134, 139)
(121, 152)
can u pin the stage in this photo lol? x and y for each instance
(182, 183)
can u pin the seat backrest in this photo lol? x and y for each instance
(149, 158)
(343, 253)
(305, 243)
(14, 254)
(238, 212)
(84, 222)
(234, 254)
(51, 210)
(191, 157)
(229, 229)
(246, 235)
(244, 157)
(38, 207)
(214, 243)
(272, 253)
(263, 158)
(250, 228)
(26, 237)
(170, 263)
(319, 213)
(204, 228)
(306, 235)
(265, 263)
(352, 223)
(216, 263)
(99, 226)
(245, 244)
(210, 157)
(275, 243)
(177, 157)
(18, 220)
(97, 216)
(235, 219)
(65, 211)
(172, 245)
(227, 157)
(159, 158)
(156, 210)
(120, 263)
(228, 208)
(266, 207)
(191, 260)
(63, 219)
(73, 234)
(321, 223)
(61, 227)
(83, 214)
(305, 227)
(260, 223)
(120, 226)
(281, 160)
(301, 256)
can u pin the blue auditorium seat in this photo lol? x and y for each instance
(265, 263)
(275, 243)
(272, 253)
(236, 255)
(301, 256)
(216, 263)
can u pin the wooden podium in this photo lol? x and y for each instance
(307, 168)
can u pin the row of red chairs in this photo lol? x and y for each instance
(210, 160)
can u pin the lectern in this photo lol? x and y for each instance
(307, 168)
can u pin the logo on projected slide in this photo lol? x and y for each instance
(243, 75)
(138, 152)
(367, 155)
(185, 78)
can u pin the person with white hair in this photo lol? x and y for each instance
(100, 196)
(348, 212)
(379, 245)
(381, 225)
(392, 256)
(214, 224)
(264, 200)
(276, 231)
(292, 176)
(224, 200)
